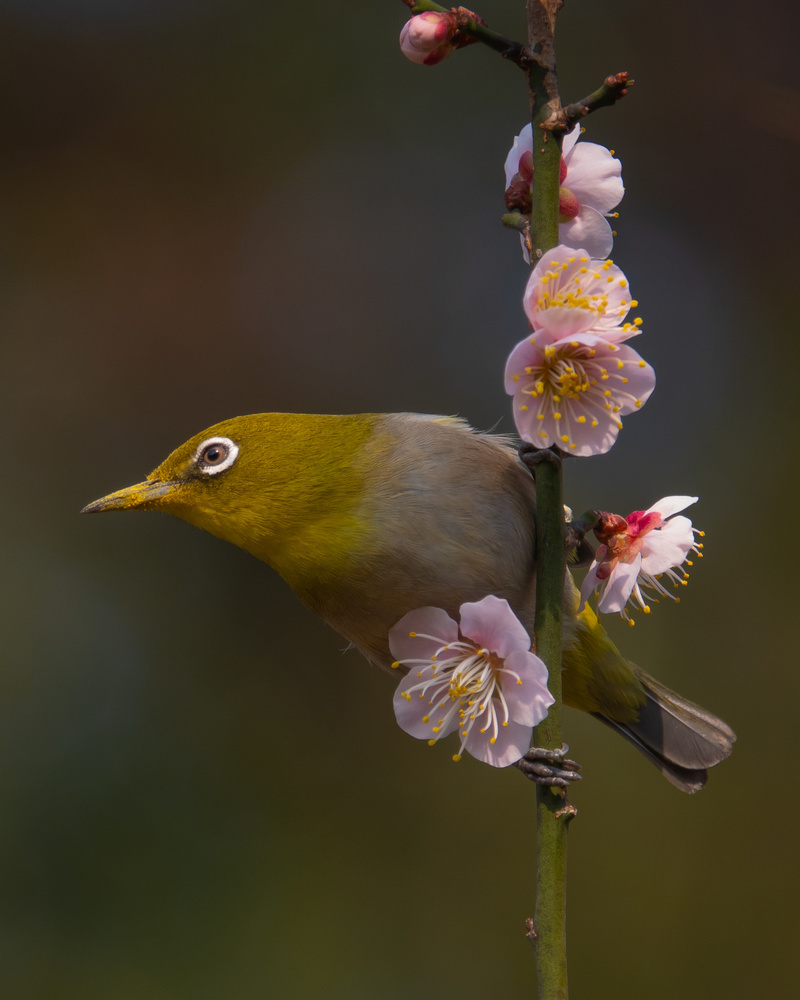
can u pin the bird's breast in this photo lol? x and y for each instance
(446, 516)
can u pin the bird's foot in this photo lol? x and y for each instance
(558, 773)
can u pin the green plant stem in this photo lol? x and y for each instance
(549, 925)
(550, 941)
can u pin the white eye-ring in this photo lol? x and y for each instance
(215, 455)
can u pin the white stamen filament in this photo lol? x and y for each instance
(469, 681)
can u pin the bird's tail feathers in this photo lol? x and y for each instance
(679, 737)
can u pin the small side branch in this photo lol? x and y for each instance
(614, 88)
(522, 223)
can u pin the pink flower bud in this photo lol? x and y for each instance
(428, 38)
(568, 205)
(526, 166)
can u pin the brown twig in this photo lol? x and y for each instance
(541, 42)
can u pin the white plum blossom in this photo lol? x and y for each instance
(591, 186)
(573, 378)
(428, 37)
(480, 679)
(639, 550)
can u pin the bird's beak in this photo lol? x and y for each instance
(142, 495)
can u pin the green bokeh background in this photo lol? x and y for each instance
(212, 208)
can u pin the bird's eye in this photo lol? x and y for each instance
(215, 455)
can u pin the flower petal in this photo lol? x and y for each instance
(511, 743)
(492, 624)
(637, 378)
(620, 584)
(671, 505)
(429, 621)
(590, 583)
(569, 140)
(523, 143)
(667, 547)
(411, 712)
(529, 698)
(588, 229)
(594, 176)
(524, 354)
(595, 435)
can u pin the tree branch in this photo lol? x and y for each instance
(544, 103)
(614, 88)
(549, 927)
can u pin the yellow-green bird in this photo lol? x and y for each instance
(370, 516)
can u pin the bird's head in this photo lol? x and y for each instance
(206, 477)
(265, 482)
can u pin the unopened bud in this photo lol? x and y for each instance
(428, 38)
(526, 166)
(568, 206)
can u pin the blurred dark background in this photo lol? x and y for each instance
(212, 208)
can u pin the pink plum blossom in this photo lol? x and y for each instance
(573, 378)
(480, 679)
(637, 551)
(573, 393)
(428, 38)
(569, 293)
(591, 186)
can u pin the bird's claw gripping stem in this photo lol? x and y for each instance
(559, 773)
